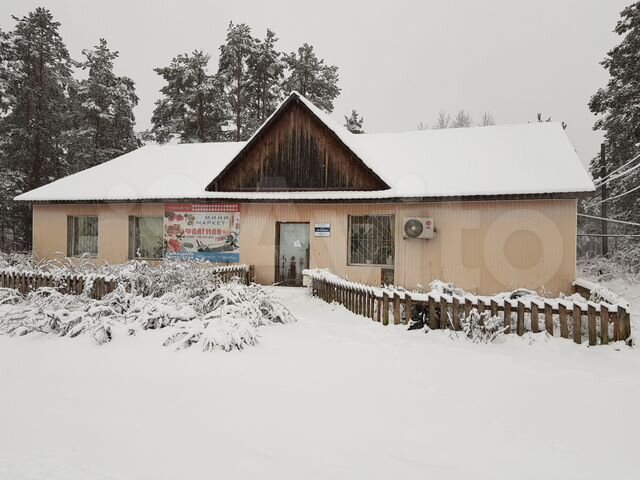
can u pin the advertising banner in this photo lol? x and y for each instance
(202, 232)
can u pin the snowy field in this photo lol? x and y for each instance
(332, 396)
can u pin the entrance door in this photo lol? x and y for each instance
(292, 252)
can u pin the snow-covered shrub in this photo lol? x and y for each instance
(195, 278)
(194, 309)
(618, 265)
(482, 327)
(234, 313)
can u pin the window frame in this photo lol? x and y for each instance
(71, 238)
(131, 237)
(350, 262)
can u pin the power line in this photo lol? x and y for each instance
(608, 219)
(617, 170)
(608, 199)
(616, 177)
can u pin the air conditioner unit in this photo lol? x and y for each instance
(418, 227)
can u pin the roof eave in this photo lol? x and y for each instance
(396, 199)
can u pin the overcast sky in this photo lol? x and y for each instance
(400, 61)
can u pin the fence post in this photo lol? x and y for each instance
(396, 309)
(408, 309)
(520, 321)
(444, 319)
(481, 306)
(365, 302)
(433, 322)
(372, 304)
(455, 311)
(625, 323)
(548, 318)
(591, 315)
(494, 308)
(604, 324)
(507, 316)
(577, 323)
(535, 327)
(468, 306)
(385, 308)
(564, 327)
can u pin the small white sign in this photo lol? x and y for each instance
(322, 230)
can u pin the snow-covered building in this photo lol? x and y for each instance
(488, 208)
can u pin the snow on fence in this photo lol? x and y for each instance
(563, 316)
(95, 285)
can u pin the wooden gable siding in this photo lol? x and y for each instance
(296, 152)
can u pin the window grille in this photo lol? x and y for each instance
(371, 240)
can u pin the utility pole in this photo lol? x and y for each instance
(603, 205)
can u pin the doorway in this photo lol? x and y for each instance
(292, 252)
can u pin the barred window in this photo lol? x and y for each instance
(82, 236)
(371, 240)
(146, 237)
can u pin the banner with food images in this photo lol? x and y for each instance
(208, 232)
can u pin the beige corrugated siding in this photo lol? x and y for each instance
(483, 247)
(50, 228)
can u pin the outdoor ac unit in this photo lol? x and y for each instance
(418, 227)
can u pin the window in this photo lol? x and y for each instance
(82, 236)
(371, 240)
(145, 237)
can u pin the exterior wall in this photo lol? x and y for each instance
(50, 228)
(483, 247)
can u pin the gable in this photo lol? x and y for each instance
(296, 151)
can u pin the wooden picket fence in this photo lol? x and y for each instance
(226, 273)
(441, 311)
(74, 284)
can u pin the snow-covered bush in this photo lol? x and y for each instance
(482, 327)
(618, 265)
(194, 308)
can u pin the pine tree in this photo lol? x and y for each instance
(265, 72)
(36, 73)
(312, 78)
(233, 69)
(354, 122)
(103, 112)
(619, 106)
(192, 103)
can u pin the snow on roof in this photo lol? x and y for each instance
(530, 158)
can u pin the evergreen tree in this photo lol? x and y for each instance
(312, 78)
(192, 103)
(354, 122)
(618, 103)
(265, 72)
(233, 69)
(103, 105)
(36, 73)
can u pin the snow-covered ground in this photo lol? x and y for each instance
(332, 396)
